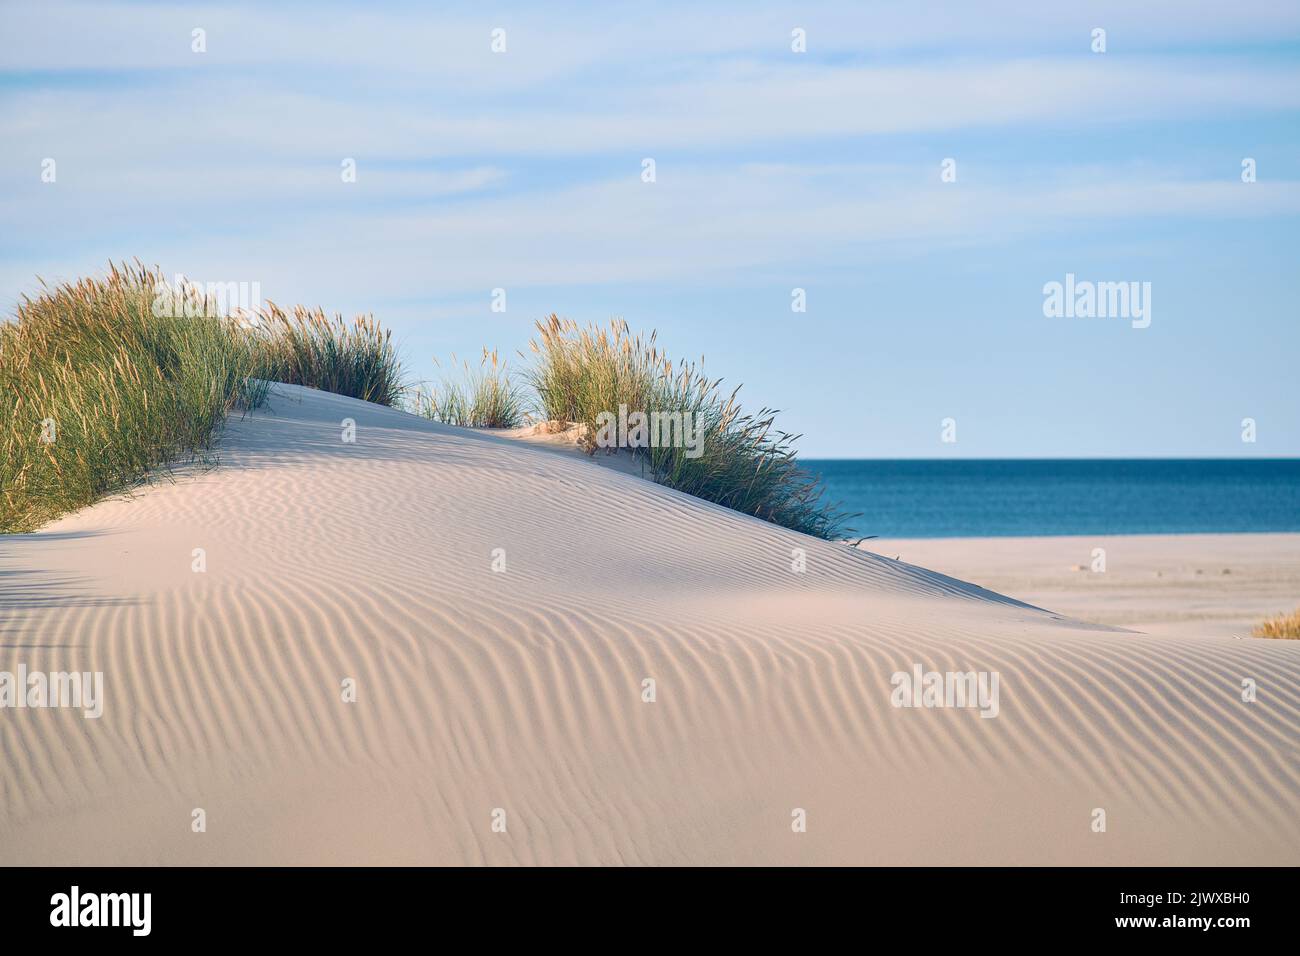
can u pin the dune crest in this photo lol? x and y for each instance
(432, 645)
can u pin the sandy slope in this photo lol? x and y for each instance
(522, 690)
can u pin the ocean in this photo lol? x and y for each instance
(950, 498)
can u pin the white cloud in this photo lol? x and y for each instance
(450, 42)
(730, 106)
(500, 166)
(699, 224)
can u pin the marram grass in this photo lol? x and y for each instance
(484, 398)
(99, 389)
(744, 462)
(305, 347)
(1282, 627)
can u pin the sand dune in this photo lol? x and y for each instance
(521, 691)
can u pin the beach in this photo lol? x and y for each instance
(441, 646)
(1184, 585)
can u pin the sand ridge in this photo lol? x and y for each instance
(518, 697)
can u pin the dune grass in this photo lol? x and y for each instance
(98, 390)
(102, 384)
(485, 397)
(101, 388)
(305, 347)
(1281, 627)
(583, 375)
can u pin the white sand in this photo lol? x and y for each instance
(1189, 585)
(523, 690)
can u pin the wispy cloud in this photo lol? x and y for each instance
(562, 40)
(522, 170)
(695, 224)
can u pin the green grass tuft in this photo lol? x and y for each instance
(356, 359)
(98, 390)
(486, 398)
(745, 463)
(103, 384)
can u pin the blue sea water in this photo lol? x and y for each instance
(994, 498)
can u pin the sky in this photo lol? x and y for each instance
(775, 169)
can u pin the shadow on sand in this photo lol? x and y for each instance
(28, 589)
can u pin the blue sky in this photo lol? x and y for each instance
(774, 170)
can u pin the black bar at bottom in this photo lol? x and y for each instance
(1226, 905)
